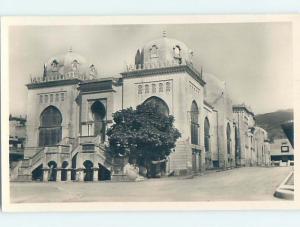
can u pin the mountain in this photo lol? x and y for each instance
(271, 122)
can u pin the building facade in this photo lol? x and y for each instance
(253, 143)
(17, 138)
(71, 107)
(282, 153)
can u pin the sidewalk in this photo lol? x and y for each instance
(286, 188)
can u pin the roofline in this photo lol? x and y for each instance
(53, 83)
(243, 107)
(165, 70)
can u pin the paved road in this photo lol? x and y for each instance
(253, 183)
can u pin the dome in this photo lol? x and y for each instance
(69, 63)
(214, 88)
(163, 50)
(216, 94)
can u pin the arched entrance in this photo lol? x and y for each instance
(158, 104)
(88, 171)
(50, 132)
(161, 107)
(37, 173)
(99, 113)
(53, 170)
(103, 173)
(64, 170)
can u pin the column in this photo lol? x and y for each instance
(69, 174)
(45, 175)
(95, 174)
(80, 175)
(58, 175)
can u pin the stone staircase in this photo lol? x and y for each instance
(26, 166)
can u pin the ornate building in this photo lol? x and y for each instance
(71, 108)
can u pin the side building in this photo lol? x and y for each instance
(253, 143)
(282, 153)
(17, 138)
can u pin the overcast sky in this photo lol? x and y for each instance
(254, 59)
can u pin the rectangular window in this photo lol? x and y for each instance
(284, 148)
(88, 147)
(62, 97)
(41, 98)
(51, 97)
(160, 87)
(56, 97)
(168, 86)
(140, 89)
(153, 88)
(46, 98)
(147, 89)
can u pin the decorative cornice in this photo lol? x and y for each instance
(53, 83)
(242, 107)
(165, 70)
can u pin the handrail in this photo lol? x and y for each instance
(37, 156)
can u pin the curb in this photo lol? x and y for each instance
(285, 191)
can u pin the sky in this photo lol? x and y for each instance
(255, 59)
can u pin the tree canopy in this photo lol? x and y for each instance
(143, 134)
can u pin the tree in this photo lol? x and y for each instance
(143, 135)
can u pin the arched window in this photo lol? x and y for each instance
(177, 51)
(194, 123)
(228, 136)
(92, 70)
(54, 65)
(158, 104)
(206, 135)
(74, 65)
(99, 113)
(50, 132)
(153, 51)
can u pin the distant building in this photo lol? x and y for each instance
(253, 143)
(282, 153)
(71, 108)
(17, 138)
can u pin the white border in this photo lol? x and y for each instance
(137, 206)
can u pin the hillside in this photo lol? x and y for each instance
(271, 122)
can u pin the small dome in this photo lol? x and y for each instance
(70, 62)
(164, 50)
